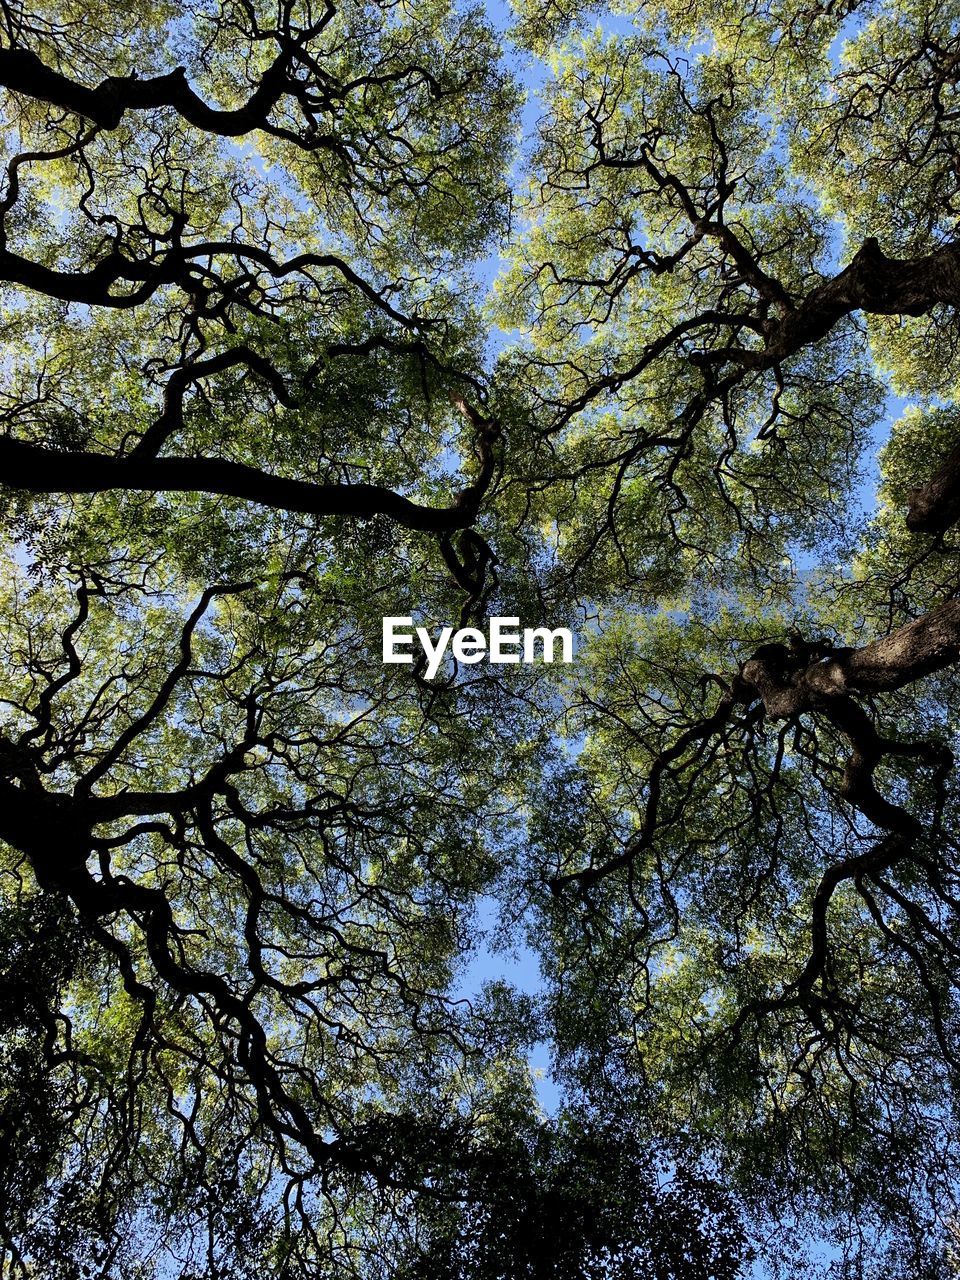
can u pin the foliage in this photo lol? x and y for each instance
(254, 399)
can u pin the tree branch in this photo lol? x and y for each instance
(35, 469)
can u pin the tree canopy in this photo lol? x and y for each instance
(639, 320)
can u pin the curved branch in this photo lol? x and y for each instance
(35, 469)
(24, 72)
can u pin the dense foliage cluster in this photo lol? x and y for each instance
(639, 320)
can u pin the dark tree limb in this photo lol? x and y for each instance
(36, 469)
(24, 72)
(935, 506)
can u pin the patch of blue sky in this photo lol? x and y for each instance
(495, 960)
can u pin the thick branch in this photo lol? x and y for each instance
(872, 283)
(789, 686)
(36, 469)
(935, 506)
(23, 71)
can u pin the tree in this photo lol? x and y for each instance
(753, 859)
(251, 404)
